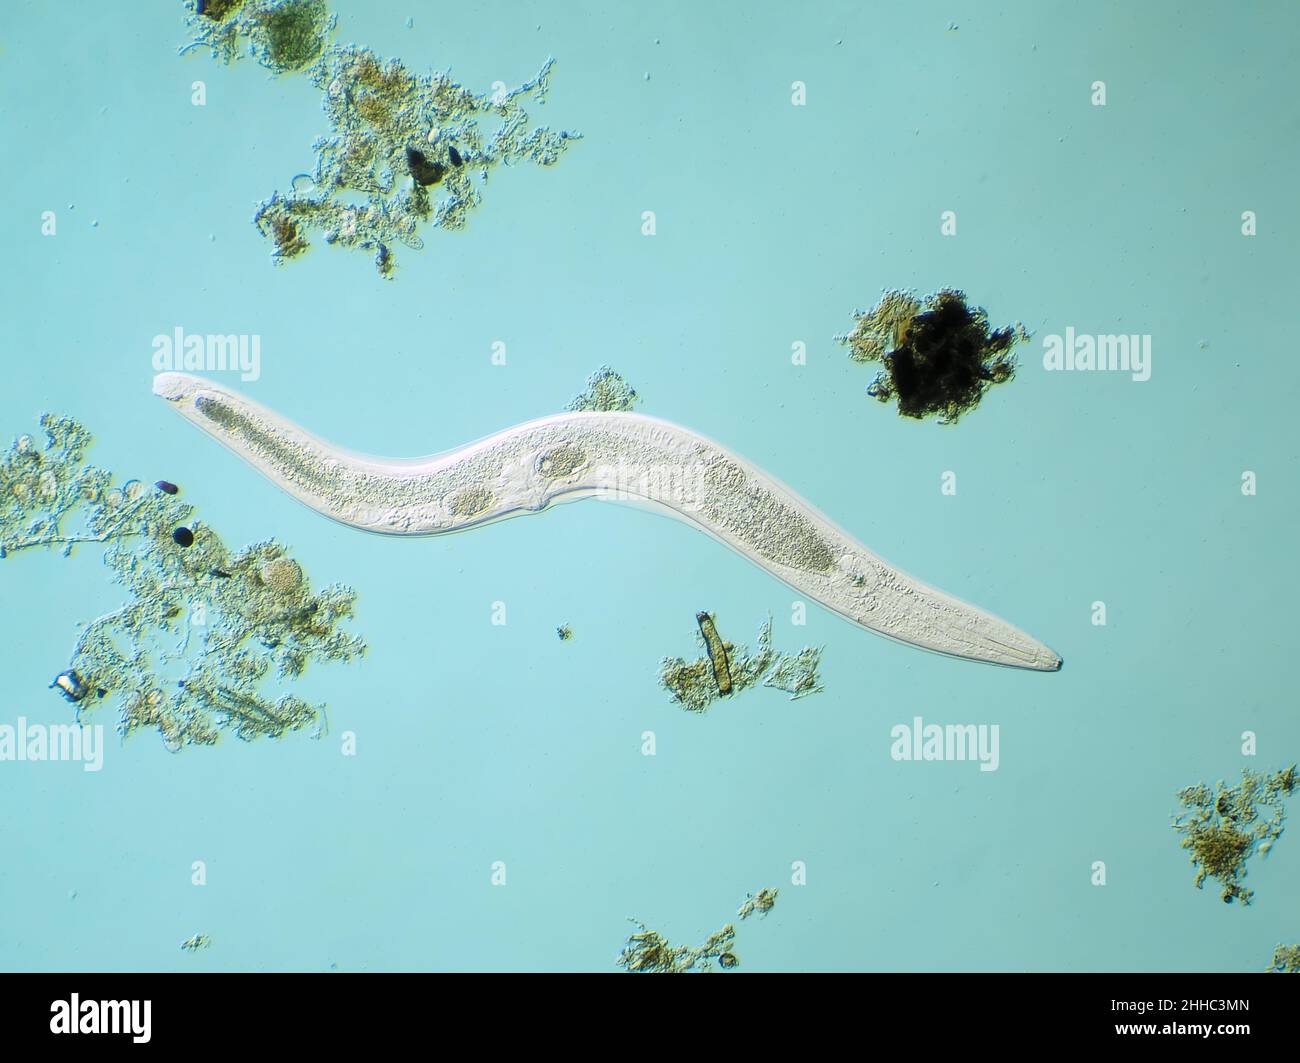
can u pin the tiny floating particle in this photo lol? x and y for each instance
(183, 537)
(762, 902)
(70, 685)
(564, 632)
(196, 942)
(167, 487)
(939, 355)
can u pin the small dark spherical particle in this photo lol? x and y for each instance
(167, 487)
(183, 537)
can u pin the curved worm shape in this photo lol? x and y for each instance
(620, 456)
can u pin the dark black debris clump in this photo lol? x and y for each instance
(939, 355)
(425, 171)
(216, 10)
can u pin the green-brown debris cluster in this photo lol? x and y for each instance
(649, 952)
(290, 34)
(196, 943)
(938, 354)
(761, 902)
(1222, 828)
(192, 651)
(606, 391)
(695, 685)
(1286, 960)
(283, 35)
(403, 150)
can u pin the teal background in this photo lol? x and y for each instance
(479, 743)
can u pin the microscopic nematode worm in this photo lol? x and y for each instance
(612, 455)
